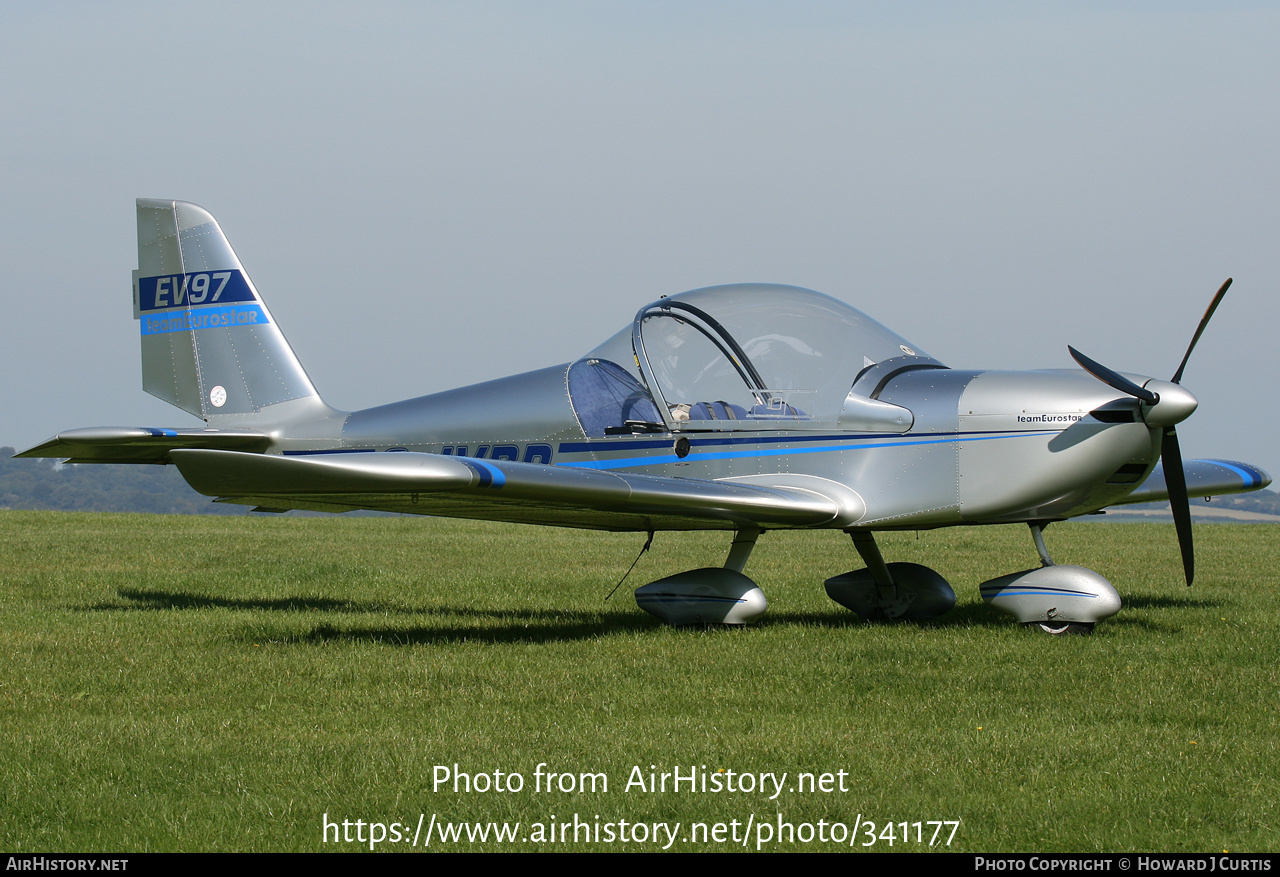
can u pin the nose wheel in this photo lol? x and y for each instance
(1061, 628)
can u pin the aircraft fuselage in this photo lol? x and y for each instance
(984, 446)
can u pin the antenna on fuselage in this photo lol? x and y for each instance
(647, 543)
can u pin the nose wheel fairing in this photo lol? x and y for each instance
(1053, 595)
(1057, 599)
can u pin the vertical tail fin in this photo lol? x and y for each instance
(209, 344)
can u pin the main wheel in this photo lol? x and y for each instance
(1063, 628)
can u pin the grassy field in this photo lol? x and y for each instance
(200, 683)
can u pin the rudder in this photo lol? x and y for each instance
(209, 344)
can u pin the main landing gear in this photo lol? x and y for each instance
(885, 591)
(1059, 600)
(713, 595)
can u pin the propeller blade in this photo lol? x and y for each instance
(1175, 480)
(1204, 321)
(1113, 379)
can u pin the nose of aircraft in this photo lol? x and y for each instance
(1174, 404)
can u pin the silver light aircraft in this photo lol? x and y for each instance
(743, 408)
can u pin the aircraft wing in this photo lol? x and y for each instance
(531, 493)
(1204, 478)
(133, 444)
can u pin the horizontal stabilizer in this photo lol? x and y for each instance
(1204, 478)
(134, 444)
(432, 484)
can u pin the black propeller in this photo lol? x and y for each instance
(1175, 478)
(1113, 379)
(1204, 321)
(1175, 481)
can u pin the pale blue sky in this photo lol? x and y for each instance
(432, 194)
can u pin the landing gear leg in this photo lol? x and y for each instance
(744, 541)
(1037, 533)
(871, 556)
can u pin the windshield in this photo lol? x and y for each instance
(746, 356)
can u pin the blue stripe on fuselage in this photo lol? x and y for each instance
(846, 443)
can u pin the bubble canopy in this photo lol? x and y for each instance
(745, 356)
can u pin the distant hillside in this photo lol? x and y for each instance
(1262, 506)
(46, 484)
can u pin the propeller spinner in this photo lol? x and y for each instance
(1169, 405)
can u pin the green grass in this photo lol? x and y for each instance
(184, 683)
